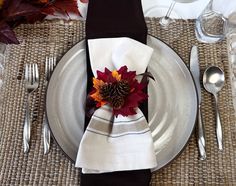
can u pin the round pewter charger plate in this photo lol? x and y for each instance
(172, 101)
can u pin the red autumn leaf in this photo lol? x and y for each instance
(14, 9)
(67, 6)
(108, 89)
(35, 17)
(48, 10)
(15, 12)
(43, 1)
(84, 1)
(63, 6)
(7, 35)
(132, 101)
(126, 111)
(106, 76)
(127, 75)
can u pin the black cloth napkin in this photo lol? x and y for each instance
(107, 19)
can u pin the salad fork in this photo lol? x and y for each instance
(31, 84)
(50, 63)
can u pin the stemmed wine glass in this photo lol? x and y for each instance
(166, 20)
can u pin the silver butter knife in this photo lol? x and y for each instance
(195, 70)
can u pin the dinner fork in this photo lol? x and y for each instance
(31, 84)
(50, 63)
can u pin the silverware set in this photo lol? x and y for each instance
(31, 85)
(213, 81)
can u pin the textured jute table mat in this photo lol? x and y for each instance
(55, 38)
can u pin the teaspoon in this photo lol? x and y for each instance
(213, 81)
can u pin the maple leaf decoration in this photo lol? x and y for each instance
(15, 12)
(119, 89)
(62, 6)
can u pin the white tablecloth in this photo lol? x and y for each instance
(151, 8)
(187, 10)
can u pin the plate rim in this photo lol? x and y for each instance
(194, 125)
(196, 114)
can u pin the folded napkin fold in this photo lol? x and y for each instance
(114, 53)
(117, 143)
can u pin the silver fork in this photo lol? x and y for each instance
(31, 84)
(50, 63)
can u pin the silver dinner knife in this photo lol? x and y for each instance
(195, 70)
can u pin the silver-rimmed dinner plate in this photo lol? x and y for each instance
(172, 101)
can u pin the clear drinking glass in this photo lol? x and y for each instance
(230, 29)
(2, 50)
(230, 32)
(210, 25)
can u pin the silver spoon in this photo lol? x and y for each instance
(213, 81)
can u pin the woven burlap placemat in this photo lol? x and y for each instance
(55, 38)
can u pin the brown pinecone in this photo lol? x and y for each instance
(105, 91)
(122, 88)
(117, 102)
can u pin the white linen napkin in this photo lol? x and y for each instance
(114, 53)
(117, 143)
